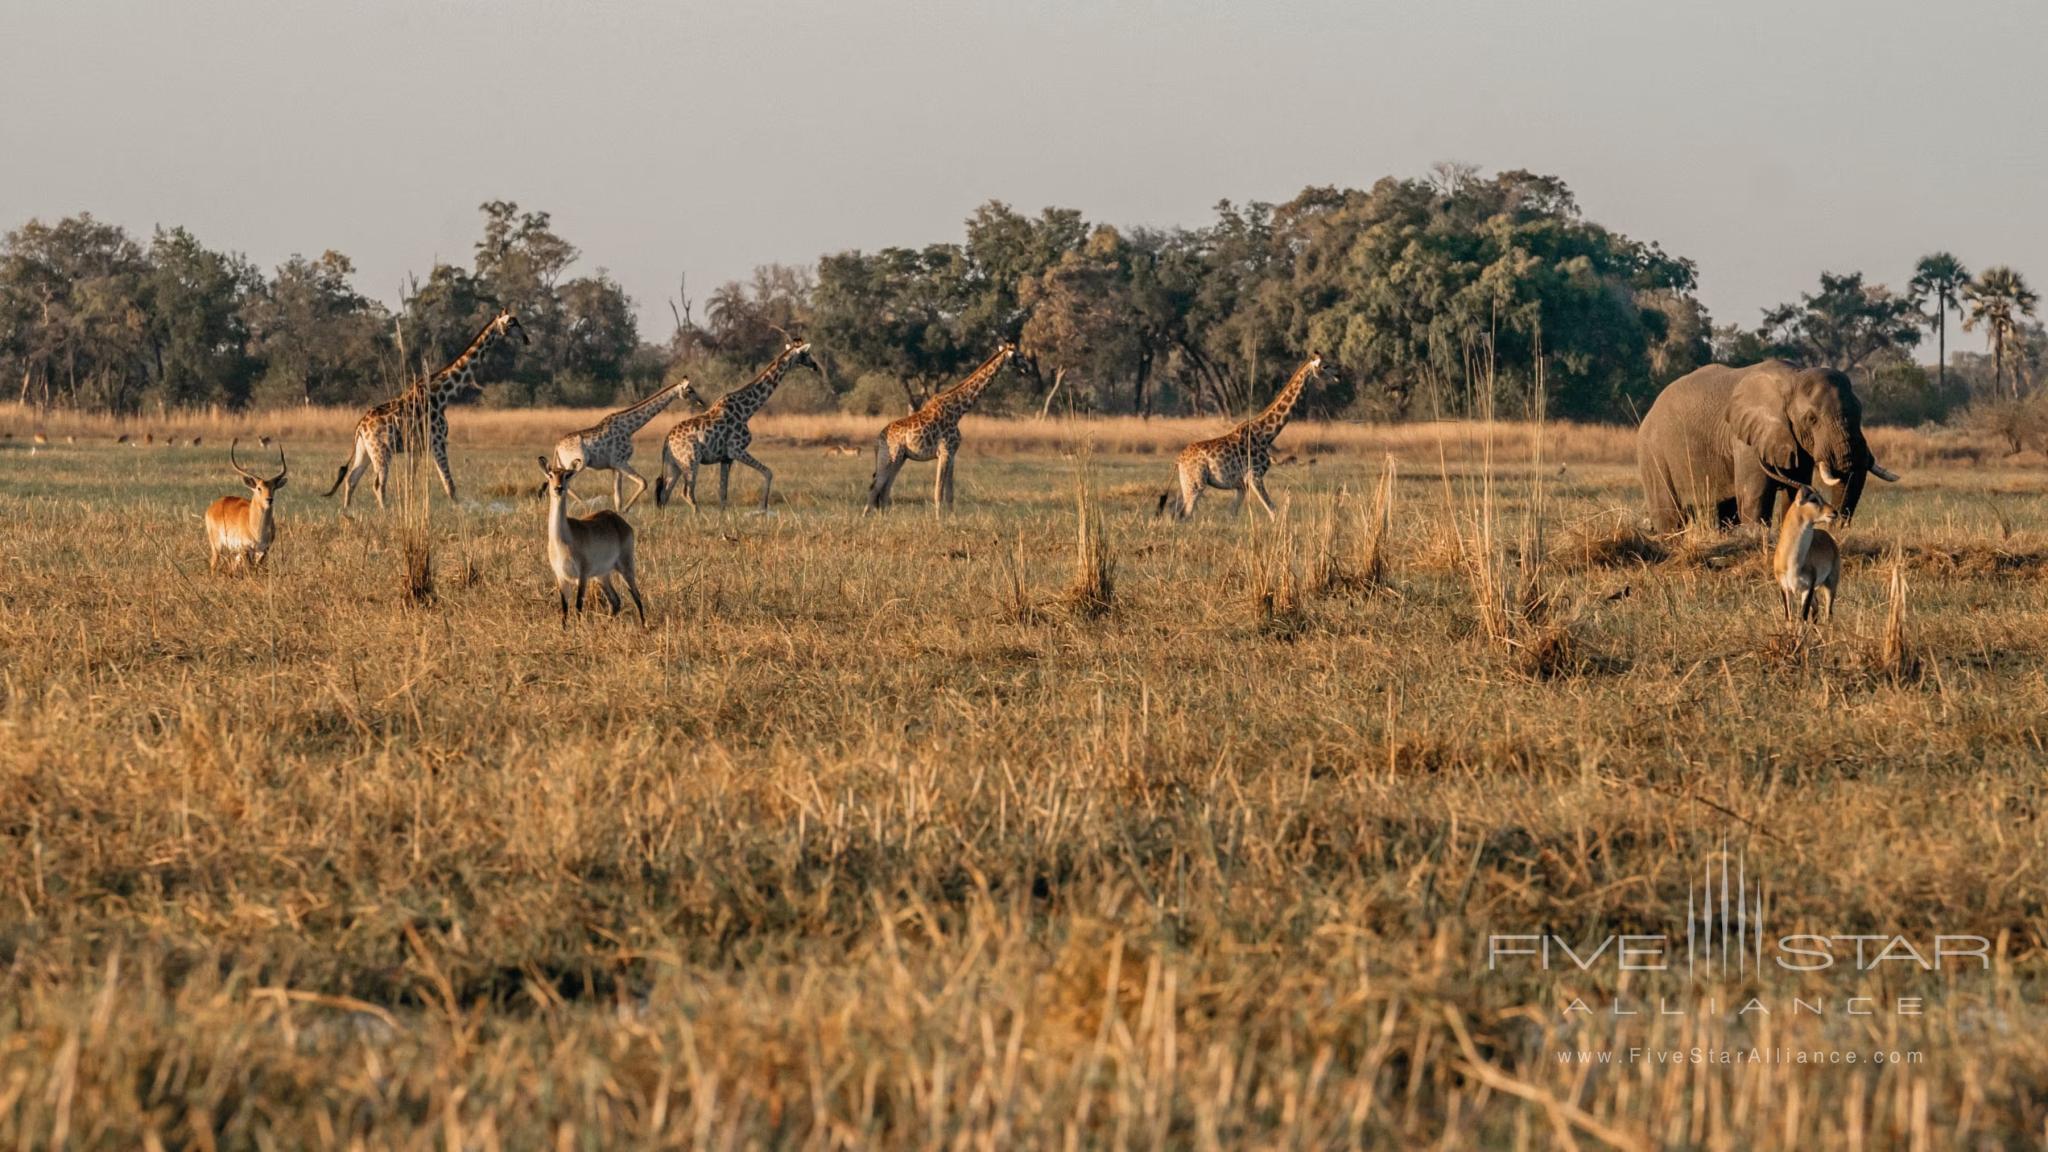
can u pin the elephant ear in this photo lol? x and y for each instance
(1756, 413)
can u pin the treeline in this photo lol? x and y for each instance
(1441, 296)
(92, 318)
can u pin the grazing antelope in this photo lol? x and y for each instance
(1238, 459)
(586, 548)
(1807, 560)
(241, 528)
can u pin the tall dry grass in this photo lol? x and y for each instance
(841, 851)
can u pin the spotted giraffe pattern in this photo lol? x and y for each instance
(608, 444)
(420, 413)
(932, 433)
(1238, 459)
(720, 435)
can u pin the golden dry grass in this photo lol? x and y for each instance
(868, 841)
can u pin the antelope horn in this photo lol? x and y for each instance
(236, 464)
(282, 465)
(1781, 478)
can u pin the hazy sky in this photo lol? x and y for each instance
(1766, 140)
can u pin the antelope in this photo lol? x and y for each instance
(1807, 559)
(586, 548)
(242, 528)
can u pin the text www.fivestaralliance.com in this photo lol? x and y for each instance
(1791, 1056)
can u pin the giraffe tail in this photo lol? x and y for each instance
(1163, 498)
(340, 474)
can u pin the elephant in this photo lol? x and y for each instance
(1726, 441)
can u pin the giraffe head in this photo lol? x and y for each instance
(1315, 373)
(505, 323)
(797, 354)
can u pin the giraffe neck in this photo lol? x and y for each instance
(1267, 424)
(460, 373)
(954, 402)
(747, 399)
(634, 417)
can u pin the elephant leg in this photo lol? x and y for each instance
(1666, 513)
(1755, 499)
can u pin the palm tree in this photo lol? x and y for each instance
(1939, 279)
(1997, 300)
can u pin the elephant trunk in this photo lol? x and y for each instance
(1850, 469)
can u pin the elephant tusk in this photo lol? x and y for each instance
(1883, 473)
(1827, 474)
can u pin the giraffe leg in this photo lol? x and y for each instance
(626, 569)
(1257, 483)
(441, 464)
(945, 491)
(380, 465)
(639, 485)
(618, 490)
(1190, 493)
(665, 484)
(351, 473)
(1237, 505)
(767, 476)
(896, 464)
(724, 480)
(886, 464)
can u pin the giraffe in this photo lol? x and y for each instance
(1238, 459)
(933, 431)
(419, 417)
(720, 435)
(608, 444)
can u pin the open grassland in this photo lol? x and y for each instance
(883, 833)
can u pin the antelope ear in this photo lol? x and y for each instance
(249, 480)
(277, 483)
(1756, 414)
(543, 462)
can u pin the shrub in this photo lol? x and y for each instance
(875, 394)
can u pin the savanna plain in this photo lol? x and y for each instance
(1045, 824)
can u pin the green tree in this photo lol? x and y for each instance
(599, 331)
(1997, 301)
(1844, 324)
(320, 341)
(198, 336)
(1936, 288)
(1084, 322)
(76, 323)
(897, 312)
